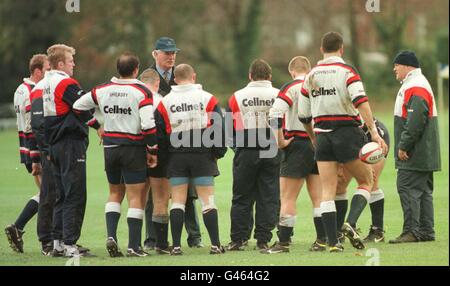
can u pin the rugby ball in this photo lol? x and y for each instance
(371, 153)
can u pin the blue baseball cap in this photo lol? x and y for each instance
(166, 44)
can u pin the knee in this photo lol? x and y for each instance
(208, 205)
(178, 206)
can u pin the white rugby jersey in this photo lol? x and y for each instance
(285, 107)
(21, 102)
(332, 91)
(186, 108)
(251, 105)
(189, 111)
(127, 107)
(250, 109)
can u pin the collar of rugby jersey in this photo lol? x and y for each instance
(300, 77)
(329, 60)
(260, 83)
(161, 72)
(29, 81)
(412, 74)
(186, 87)
(52, 72)
(126, 81)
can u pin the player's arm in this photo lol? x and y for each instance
(148, 127)
(31, 141)
(232, 116)
(163, 130)
(276, 114)
(70, 91)
(148, 130)
(82, 108)
(361, 102)
(217, 121)
(304, 110)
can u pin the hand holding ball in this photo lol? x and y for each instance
(371, 153)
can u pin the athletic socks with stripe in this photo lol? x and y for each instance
(27, 213)
(176, 225)
(211, 221)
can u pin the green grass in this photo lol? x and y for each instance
(16, 187)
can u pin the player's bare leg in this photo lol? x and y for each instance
(135, 217)
(329, 176)
(314, 187)
(15, 231)
(341, 200)
(376, 203)
(205, 191)
(160, 216)
(112, 215)
(179, 188)
(363, 174)
(289, 191)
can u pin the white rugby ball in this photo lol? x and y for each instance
(371, 153)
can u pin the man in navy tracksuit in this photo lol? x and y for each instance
(255, 177)
(67, 135)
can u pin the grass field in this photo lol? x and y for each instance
(16, 187)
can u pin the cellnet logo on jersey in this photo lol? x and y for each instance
(257, 102)
(324, 92)
(186, 107)
(117, 110)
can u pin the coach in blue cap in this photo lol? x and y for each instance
(165, 53)
(417, 153)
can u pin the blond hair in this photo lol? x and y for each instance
(57, 53)
(149, 76)
(300, 65)
(37, 62)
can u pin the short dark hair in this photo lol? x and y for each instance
(127, 63)
(332, 42)
(260, 70)
(37, 62)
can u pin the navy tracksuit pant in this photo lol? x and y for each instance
(68, 157)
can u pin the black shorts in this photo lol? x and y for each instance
(185, 164)
(160, 171)
(341, 145)
(297, 160)
(126, 164)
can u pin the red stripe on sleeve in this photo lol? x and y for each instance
(237, 116)
(353, 79)
(162, 110)
(360, 101)
(210, 108)
(94, 96)
(149, 132)
(305, 93)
